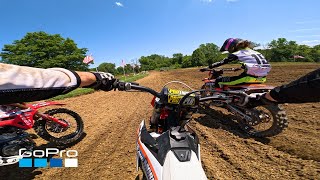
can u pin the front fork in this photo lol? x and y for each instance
(44, 116)
(51, 118)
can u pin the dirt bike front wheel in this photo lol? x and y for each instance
(54, 133)
(267, 121)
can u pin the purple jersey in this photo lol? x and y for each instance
(255, 63)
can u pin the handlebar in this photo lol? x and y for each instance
(126, 86)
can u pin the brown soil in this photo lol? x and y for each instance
(111, 119)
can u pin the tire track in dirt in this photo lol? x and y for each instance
(226, 156)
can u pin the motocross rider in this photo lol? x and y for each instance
(23, 84)
(256, 67)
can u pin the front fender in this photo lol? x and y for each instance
(43, 104)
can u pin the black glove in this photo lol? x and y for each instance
(105, 81)
(259, 101)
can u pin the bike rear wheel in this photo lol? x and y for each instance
(267, 120)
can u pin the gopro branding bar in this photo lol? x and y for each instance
(42, 158)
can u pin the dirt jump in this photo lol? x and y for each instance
(112, 118)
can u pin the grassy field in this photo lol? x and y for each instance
(82, 91)
(132, 78)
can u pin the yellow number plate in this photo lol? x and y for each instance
(174, 99)
(175, 96)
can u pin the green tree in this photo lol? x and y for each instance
(39, 49)
(186, 61)
(198, 58)
(107, 67)
(177, 58)
(211, 53)
(282, 50)
(154, 61)
(120, 70)
(315, 53)
(147, 63)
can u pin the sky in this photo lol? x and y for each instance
(115, 30)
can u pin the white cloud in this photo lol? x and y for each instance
(302, 30)
(311, 42)
(119, 4)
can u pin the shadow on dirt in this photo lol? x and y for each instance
(14, 172)
(218, 120)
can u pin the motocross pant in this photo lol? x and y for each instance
(303, 90)
(234, 80)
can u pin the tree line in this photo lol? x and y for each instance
(43, 50)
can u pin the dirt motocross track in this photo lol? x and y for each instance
(111, 120)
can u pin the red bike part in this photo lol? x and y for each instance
(58, 121)
(43, 104)
(24, 118)
(164, 113)
(153, 101)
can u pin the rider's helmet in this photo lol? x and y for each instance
(230, 45)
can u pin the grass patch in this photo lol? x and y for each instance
(74, 93)
(132, 77)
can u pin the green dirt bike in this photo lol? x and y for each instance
(260, 121)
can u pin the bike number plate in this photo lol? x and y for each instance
(175, 96)
(174, 99)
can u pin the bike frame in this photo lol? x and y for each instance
(24, 118)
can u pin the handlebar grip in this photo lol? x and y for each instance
(123, 86)
(134, 83)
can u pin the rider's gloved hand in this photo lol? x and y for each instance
(259, 101)
(104, 81)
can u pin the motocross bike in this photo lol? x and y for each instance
(261, 121)
(171, 149)
(60, 126)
